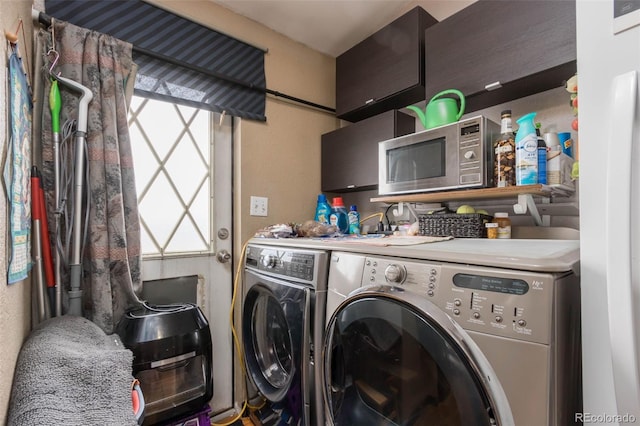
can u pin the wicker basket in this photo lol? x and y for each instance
(451, 224)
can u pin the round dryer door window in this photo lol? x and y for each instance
(268, 345)
(393, 358)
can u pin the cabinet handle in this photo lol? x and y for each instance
(493, 86)
(368, 102)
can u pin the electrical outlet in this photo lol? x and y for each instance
(259, 206)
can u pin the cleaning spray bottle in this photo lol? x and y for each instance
(526, 151)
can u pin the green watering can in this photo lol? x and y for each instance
(440, 111)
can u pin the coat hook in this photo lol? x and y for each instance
(11, 37)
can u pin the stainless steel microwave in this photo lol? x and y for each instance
(453, 156)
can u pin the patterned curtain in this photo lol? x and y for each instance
(111, 256)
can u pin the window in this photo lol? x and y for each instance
(172, 152)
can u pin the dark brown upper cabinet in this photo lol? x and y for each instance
(497, 51)
(350, 154)
(385, 71)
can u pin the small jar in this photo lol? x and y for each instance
(504, 224)
(492, 230)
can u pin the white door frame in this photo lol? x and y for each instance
(214, 278)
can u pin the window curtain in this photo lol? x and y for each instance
(112, 258)
(180, 61)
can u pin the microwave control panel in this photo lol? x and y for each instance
(475, 157)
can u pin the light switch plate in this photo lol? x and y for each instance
(259, 206)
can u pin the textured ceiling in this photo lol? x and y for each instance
(333, 26)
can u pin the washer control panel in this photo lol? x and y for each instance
(422, 278)
(509, 303)
(293, 264)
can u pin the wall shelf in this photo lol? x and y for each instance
(476, 194)
(524, 194)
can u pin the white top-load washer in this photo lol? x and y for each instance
(466, 331)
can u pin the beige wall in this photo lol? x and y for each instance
(15, 320)
(280, 158)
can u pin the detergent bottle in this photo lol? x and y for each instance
(338, 215)
(323, 210)
(354, 220)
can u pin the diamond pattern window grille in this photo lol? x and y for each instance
(172, 150)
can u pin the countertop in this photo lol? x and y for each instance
(521, 254)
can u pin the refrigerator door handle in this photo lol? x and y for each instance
(620, 294)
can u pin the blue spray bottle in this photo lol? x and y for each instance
(526, 151)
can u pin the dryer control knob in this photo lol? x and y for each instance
(395, 273)
(269, 261)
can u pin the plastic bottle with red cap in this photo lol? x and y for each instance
(338, 215)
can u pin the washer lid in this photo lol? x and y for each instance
(394, 358)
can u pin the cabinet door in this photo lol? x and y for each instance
(495, 51)
(350, 154)
(384, 71)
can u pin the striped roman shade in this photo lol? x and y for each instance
(179, 60)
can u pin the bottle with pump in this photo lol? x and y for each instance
(323, 210)
(542, 157)
(504, 172)
(354, 220)
(338, 216)
(526, 151)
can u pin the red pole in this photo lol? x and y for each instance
(39, 212)
(46, 244)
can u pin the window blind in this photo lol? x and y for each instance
(179, 60)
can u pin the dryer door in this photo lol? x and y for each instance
(274, 328)
(394, 358)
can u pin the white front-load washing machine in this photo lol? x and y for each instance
(421, 342)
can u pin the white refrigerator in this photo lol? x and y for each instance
(608, 43)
